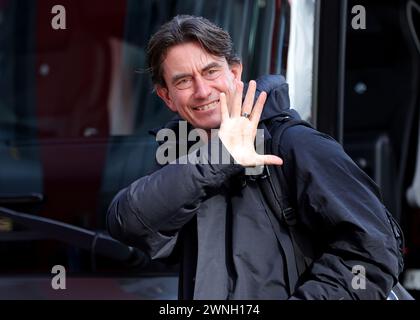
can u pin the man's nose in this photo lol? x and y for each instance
(202, 89)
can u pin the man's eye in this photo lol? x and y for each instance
(183, 83)
(212, 73)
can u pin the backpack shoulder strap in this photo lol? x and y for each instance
(276, 193)
(286, 202)
(276, 175)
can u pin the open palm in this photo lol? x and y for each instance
(237, 132)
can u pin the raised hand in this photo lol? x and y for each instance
(238, 129)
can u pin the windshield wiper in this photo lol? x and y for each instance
(17, 198)
(96, 242)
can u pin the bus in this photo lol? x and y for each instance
(77, 105)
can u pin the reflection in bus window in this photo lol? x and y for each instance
(76, 105)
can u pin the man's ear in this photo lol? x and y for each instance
(163, 93)
(236, 69)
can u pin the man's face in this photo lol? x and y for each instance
(194, 80)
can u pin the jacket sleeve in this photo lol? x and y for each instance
(339, 203)
(149, 213)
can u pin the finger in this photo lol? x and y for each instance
(256, 112)
(223, 107)
(249, 98)
(237, 100)
(269, 159)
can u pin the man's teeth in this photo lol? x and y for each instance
(207, 106)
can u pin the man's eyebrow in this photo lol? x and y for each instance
(211, 65)
(180, 76)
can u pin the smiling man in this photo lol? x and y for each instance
(214, 219)
(194, 80)
(191, 67)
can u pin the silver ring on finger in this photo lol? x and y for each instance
(245, 115)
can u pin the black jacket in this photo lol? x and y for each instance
(212, 218)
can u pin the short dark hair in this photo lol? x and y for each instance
(183, 29)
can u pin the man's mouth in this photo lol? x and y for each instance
(206, 107)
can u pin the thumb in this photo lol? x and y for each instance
(269, 159)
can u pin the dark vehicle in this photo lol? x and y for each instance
(76, 105)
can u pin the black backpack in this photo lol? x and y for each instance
(298, 248)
